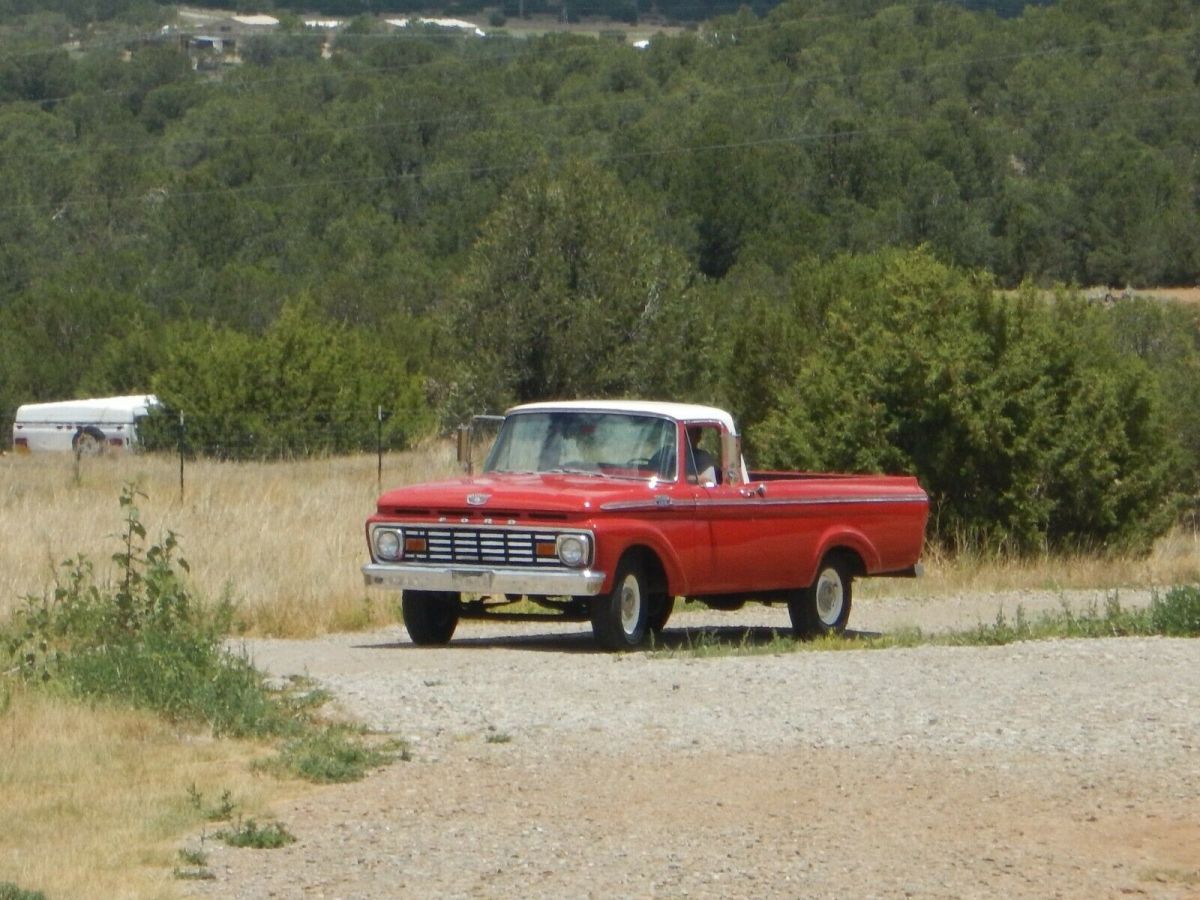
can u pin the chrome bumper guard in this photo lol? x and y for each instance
(483, 580)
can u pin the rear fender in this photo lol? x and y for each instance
(848, 540)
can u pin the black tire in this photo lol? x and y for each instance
(620, 618)
(430, 616)
(661, 607)
(88, 441)
(824, 606)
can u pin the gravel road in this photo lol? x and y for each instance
(542, 768)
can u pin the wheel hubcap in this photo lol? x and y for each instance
(829, 597)
(631, 605)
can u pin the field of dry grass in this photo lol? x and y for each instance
(96, 798)
(1178, 294)
(285, 540)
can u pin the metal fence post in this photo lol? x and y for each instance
(379, 449)
(181, 454)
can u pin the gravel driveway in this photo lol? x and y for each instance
(543, 768)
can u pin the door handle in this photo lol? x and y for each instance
(759, 490)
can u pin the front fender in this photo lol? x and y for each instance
(616, 538)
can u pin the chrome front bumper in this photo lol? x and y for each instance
(482, 580)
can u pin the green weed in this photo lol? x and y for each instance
(193, 857)
(194, 866)
(332, 754)
(1177, 614)
(9, 891)
(222, 810)
(148, 642)
(250, 834)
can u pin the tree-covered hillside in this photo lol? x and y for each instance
(433, 223)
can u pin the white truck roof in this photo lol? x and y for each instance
(682, 412)
(100, 410)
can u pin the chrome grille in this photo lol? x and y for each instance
(481, 546)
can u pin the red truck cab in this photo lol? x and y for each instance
(608, 510)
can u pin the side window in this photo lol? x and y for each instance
(704, 454)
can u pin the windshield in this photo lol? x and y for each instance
(619, 445)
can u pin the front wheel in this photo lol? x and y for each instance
(824, 606)
(620, 618)
(430, 616)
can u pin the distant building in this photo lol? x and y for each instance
(459, 24)
(255, 21)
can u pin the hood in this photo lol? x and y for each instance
(513, 496)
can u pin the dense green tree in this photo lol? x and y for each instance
(569, 293)
(1025, 421)
(306, 385)
(1167, 338)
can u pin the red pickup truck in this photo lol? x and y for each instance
(608, 510)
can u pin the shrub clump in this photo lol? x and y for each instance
(268, 836)
(332, 755)
(10, 891)
(1178, 613)
(146, 640)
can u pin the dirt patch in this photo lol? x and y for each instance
(543, 768)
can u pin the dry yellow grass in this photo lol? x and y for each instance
(285, 540)
(1174, 559)
(96, 800)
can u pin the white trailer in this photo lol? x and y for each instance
(83, 426)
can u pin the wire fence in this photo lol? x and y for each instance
(253, 435)
(249, 435)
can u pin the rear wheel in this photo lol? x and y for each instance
(620, 618)
(88, 441)
(824, 606)
(430, 616)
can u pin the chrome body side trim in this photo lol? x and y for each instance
(755, 501)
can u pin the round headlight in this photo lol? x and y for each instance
(387, 544)
(572, 550)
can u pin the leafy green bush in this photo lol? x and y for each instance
(1026, 422)
(1178, 613)
(306, 386)
(332, 755)
(9, 891)
(268, 836)
(146, 641)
